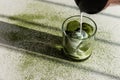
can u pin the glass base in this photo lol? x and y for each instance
(78, 57)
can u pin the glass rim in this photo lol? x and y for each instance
(79, 16)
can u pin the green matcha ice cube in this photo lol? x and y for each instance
(87, 28)
(73, 25)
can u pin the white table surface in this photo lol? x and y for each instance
(29, 27)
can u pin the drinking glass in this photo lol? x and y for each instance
(78, 45)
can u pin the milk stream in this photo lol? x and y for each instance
(81, 15)
(83, 34)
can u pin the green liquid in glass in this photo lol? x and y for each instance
(74, 38)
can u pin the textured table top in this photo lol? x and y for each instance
(30, 42)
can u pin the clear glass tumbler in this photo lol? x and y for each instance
(78, 45)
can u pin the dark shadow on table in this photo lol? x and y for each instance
(31, 40)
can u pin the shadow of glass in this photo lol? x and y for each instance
(31, 40)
